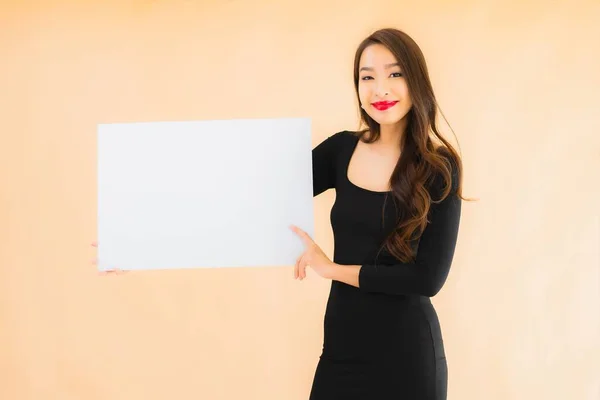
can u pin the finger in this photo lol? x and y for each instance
(95, 261)
(306, 265)
(95, 244)
(113, 271)
(303, 235)
(297, 267)
(106, 271)
(302, 268)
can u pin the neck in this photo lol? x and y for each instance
(391, 135)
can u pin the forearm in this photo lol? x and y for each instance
(407, 279)
(426, 275)
(347, 274)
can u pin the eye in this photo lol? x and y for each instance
(364, 78)
(397, 74)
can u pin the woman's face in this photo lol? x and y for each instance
(382, 89)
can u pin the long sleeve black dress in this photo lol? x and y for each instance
(382, 340)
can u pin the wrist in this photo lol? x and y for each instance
(348, 274)
(333, 270)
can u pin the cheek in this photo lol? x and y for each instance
(363, 93)
(402, 90)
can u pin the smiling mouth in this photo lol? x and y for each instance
(384, 105)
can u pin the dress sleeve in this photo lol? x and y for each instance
(323, 164)
(427, 274)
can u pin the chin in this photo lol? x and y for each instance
(390, 120)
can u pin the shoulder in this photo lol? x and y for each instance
(341, 138)
(336, 142)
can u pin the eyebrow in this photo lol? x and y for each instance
(386, 66)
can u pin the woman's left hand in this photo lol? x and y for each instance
(313, 256)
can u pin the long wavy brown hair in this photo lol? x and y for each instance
(426, 156)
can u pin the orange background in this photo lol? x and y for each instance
(518, 82)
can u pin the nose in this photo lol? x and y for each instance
(382, 90)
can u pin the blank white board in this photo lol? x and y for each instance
(196, 194)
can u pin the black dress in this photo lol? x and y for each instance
(382, 340)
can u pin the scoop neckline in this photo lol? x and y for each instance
(352, 150)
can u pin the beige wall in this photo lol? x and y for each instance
(519, 84)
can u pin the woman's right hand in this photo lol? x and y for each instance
(113, 271)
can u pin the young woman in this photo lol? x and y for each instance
(395, 222)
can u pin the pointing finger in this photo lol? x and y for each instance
(303, 235)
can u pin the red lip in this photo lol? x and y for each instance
(384, 105)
